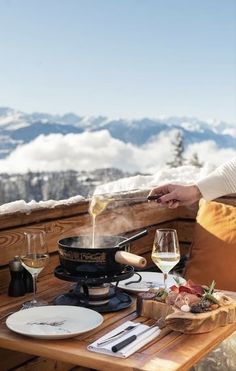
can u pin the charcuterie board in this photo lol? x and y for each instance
(182, 315)
(196, 323)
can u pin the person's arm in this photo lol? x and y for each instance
(175, 195)
(220, 182)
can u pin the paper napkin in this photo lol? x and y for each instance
(130, 348)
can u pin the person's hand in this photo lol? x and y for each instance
(175, 195)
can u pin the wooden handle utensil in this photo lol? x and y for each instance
(124, 257)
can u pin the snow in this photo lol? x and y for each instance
(27, 207)
(12, 120)
(230, 131)
(180, 175)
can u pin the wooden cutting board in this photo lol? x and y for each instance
(191, 323)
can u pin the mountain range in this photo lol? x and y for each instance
(17, 128)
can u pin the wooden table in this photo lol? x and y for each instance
(170, 351)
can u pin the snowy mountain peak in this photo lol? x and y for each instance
(17, 128)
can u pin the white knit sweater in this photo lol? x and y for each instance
(220, 182)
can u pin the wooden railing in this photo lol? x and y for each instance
(69, 220)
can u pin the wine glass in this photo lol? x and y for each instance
(165, 252)
(34, 259)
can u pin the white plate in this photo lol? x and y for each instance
(149, 279)
(54, 321)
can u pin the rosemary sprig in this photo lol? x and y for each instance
(212, 287)
(209, 289)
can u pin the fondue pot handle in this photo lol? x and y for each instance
(124, 257)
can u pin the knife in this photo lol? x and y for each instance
(117, 336)
(130, 339)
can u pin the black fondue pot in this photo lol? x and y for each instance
(78, 257)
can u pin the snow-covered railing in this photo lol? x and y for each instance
(71, 218)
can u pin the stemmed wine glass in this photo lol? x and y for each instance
(34, 259)
(165, 252)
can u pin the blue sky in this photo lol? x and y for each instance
(129, 58)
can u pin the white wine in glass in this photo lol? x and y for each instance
(165, 252)
(34, 259)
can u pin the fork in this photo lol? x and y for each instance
(117, 336)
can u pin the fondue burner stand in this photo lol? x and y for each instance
(95, 292)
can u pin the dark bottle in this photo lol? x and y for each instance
(16, 286)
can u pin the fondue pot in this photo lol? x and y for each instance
(109, 256)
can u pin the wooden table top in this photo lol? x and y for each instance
(169, 351)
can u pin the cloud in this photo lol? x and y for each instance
(57, 152)
(93, 150)
(230, 131)
(209, 153)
